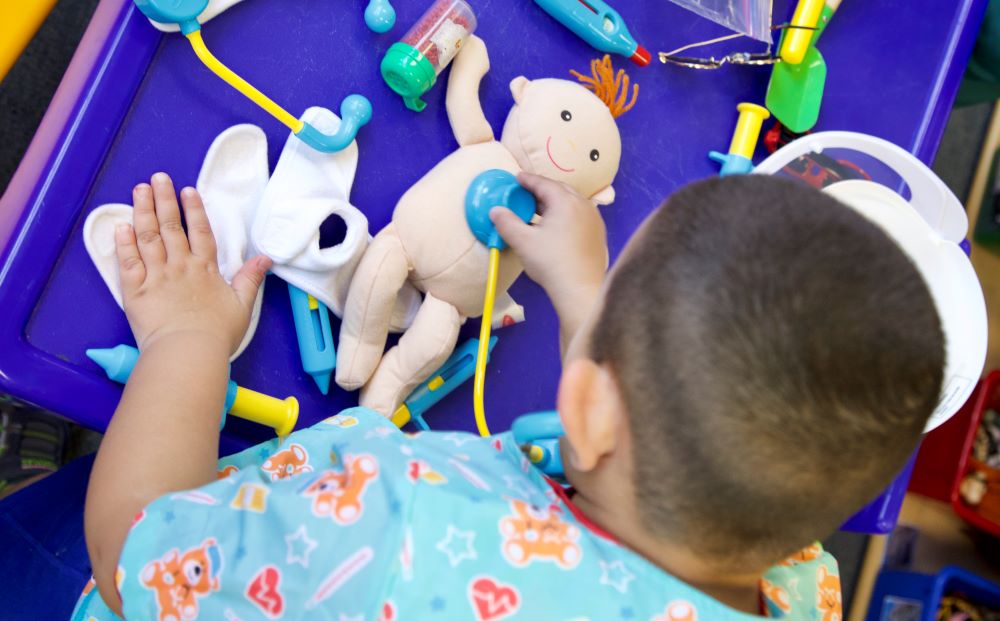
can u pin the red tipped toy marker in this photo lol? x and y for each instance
(599, 25)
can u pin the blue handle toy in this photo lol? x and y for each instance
(455, 371)
(355, 110)
(599, 25)
(312, 327)
(538, 434)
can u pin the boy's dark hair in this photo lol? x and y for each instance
(778, 356)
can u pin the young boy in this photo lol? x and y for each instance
(759, 363)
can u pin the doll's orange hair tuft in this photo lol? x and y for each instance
(610, 88)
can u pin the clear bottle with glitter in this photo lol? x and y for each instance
(411, 66)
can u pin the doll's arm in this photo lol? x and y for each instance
(465, 113)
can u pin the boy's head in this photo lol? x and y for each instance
(762, 365)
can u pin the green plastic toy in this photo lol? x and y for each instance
(795, 92)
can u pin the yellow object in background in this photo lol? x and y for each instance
(281, 415)
(19, 21)
(747, 131)
(801, 31)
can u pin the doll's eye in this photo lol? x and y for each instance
(566, 116)
(595, 155)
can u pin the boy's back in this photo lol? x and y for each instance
(353, 519)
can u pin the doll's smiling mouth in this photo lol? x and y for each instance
(548, 152)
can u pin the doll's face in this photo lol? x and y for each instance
(559, 129)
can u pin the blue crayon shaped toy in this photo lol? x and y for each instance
(456, 370)
(312, 327)
(280, 415)
(599, 25)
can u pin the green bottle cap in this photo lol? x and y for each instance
(409, 73)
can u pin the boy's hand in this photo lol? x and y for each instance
(170, 281)
(566, 252)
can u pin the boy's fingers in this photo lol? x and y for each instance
(169, 216)
(546, 190)
(131, 271)
(147, 228)
(512, 229)
(199, 228)
(248, 280)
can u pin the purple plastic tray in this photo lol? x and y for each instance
(136, 101)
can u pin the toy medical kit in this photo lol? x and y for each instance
(411, 66)
(795, 92)
(538, 436)
(380, 17)
(599, 25)
(280, 415)
(459, 368)
(312, 329)
(491, 188)
(355, 110)
(739, 160)
(929, 229)
(557, 129)
(20, 22)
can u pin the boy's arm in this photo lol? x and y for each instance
(187, 321)
(566, 251)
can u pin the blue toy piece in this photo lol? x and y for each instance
(380, 17)
(119, 361)
(495, 188)
(538, 434)
(312, 327)
(599, 25)
(455, 371)
(732, 164)
(355, 112)
(184, 13)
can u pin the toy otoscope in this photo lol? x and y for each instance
(355, 110)
(493, 188)
(599, 25)
(738, 161)
(411, 66)
(281, 415)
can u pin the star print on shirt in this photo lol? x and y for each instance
(519, 486)
(458, 545)
(458, 439)
(616, 576)
(344, 617)
(300, 546)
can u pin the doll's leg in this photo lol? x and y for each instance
(370, 301)
(421, 350)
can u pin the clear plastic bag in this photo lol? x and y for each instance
(749, 17)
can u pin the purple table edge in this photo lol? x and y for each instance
(23, 368)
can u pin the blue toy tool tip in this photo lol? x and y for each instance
(323, 381)
(380, 17)
(104, 358)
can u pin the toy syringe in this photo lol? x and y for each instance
(493, 188)
(458, 368)
(355, 110)
(739, 159)
(281, 415)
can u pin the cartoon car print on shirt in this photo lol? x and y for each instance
(288, 462)
(180, 580)
(339, 494)
(539, 534)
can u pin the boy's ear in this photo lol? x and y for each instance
(518, 86)
(605, 196)
(591, 410)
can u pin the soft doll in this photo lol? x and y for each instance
(557, 128)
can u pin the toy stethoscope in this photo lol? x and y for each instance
(355, 110)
